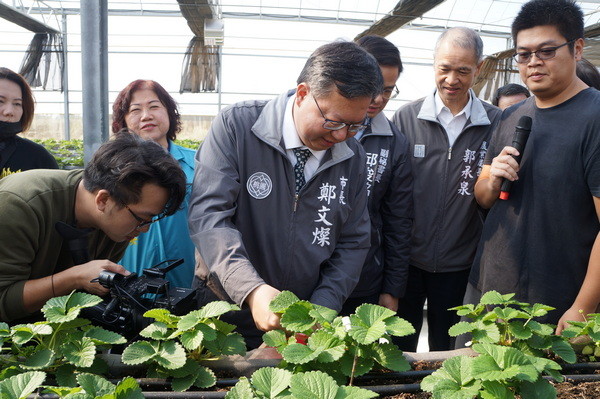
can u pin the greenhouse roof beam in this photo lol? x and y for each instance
(404, 12)
(23, 20)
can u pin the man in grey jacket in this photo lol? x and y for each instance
(448, 132)
(279, 200)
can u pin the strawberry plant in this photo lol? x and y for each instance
(66, 152)
(21, 385)
(92, 386)
(62, 344)
(70, 152)
(340, 346)
(176, 344)
(589, 331)
(499, 372)
(275, 383)
(511, 323)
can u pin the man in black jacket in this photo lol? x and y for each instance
(389, 187)
(448, 132)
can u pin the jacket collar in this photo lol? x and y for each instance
(380, 126)
(479, 116)
(178, 152)
(268, 128)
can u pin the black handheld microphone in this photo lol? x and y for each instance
(519, 140)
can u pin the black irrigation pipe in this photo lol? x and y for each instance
(185, 395)
(581, 366)
(394, 375)
(393, 389)
(580, 378)
(161, 382)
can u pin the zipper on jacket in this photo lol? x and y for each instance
(296, 202)
(449, 153)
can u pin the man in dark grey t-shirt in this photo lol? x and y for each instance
(543, 243)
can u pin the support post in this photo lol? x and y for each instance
(94, 54)
(65, 80)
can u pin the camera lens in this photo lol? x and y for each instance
(107, 279)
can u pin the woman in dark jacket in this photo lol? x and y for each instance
(16, 113)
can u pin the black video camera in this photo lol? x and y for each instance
(131, 296)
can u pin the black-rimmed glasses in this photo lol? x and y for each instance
(336, 125)
(543, 54)
(142, 222)
(390, 93)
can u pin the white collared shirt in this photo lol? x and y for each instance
(291, 140)
(453, 124)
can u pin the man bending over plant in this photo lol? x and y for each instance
(129, 184)
(279, 200)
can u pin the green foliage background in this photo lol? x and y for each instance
(70, 152)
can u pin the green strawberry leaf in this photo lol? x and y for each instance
(139, 352)
(80, 353)
(21, 385)
(297, 317)
(101, 336)
(282, 301)
(313, 385)
(270, 382)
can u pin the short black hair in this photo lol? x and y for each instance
(588, 72)
(384, 51)
(345, 66)
(564, 15)
(510, 89)
(123, 165)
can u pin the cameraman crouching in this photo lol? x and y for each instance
(129, 184)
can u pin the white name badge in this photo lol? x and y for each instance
(419, 151)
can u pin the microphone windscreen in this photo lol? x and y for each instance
(524, 123)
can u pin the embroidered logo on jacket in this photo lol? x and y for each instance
(259, 185)
(419, 151)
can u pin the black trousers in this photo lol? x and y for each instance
(352, 303)
(472, 296)
(442, 291)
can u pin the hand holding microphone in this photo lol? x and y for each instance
(519, 141)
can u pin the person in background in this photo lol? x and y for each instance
(16, 113)
(279, 200)
(543, 242)
(588, 72)
(147, 109)
(129, 184)
(389, 188)
(510, 94)
(448, 132)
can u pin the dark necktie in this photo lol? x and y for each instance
(301, 158)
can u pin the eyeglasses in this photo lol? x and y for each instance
(388, 94)
(336, 125)
(543, 54)
(142, 222)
